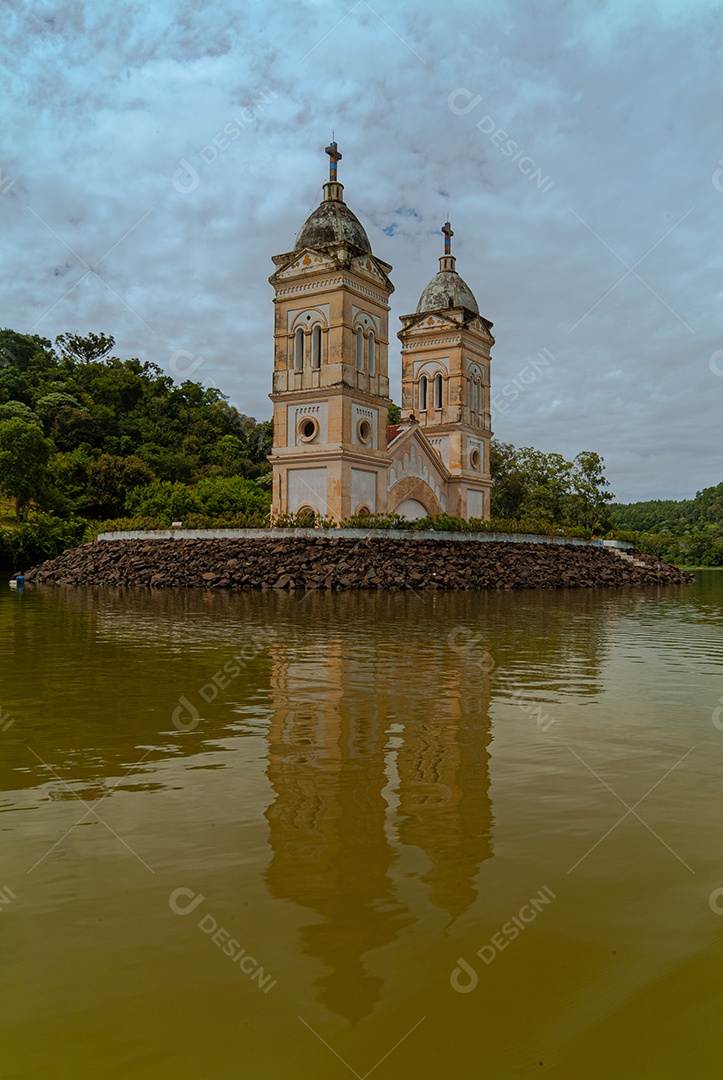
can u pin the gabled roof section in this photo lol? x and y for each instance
(299, 262)
(454, 318)
(412, 436)
(374, 268)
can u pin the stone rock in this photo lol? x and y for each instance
(341, 563)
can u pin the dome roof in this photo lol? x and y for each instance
(330, 223)
(447, 290)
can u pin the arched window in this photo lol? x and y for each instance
(471, 394)
(371, 353)
(479, 396)
(316, 347)
(299, 350)
(359, 349)
(423, 393)
(438, 391)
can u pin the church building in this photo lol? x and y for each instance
(334, 454)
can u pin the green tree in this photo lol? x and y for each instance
(24, 456)
(590, 492)
(17, 408)
(163, 499)
(85, 349)
(74, 427)
(221, 496)
(49, 404)
(510, 484)
(546, 487)
(111, 479)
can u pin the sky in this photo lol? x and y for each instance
(157, 156)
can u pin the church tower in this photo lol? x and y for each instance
(331, 384)
(446, 383)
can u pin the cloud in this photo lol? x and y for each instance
(590, 120)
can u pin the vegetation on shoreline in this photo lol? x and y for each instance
(84, 434)
(688, 532)
(91, 443)
(43, 536)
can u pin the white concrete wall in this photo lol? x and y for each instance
(354, 534)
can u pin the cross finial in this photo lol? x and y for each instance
(334, 156)
(448, 234)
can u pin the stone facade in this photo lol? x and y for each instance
(333, 453)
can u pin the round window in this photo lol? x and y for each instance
(364, 431)
(307, 428)
(474, 458)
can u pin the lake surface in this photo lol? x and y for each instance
(317, 836)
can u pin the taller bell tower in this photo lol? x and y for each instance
(331, 384)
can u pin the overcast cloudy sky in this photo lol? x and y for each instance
(157, 156)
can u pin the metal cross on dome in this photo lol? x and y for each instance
(448, 234)
(334, 156)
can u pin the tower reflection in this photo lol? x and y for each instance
(374, 749)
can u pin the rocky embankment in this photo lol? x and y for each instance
(344, 563)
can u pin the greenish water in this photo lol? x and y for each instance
(455, 834)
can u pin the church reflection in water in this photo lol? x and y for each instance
(373, 754)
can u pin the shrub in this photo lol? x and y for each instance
(39, 537)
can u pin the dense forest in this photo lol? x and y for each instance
(86, 438)
(84, 434)
(688, 532)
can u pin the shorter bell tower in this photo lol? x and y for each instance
(446, 357)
